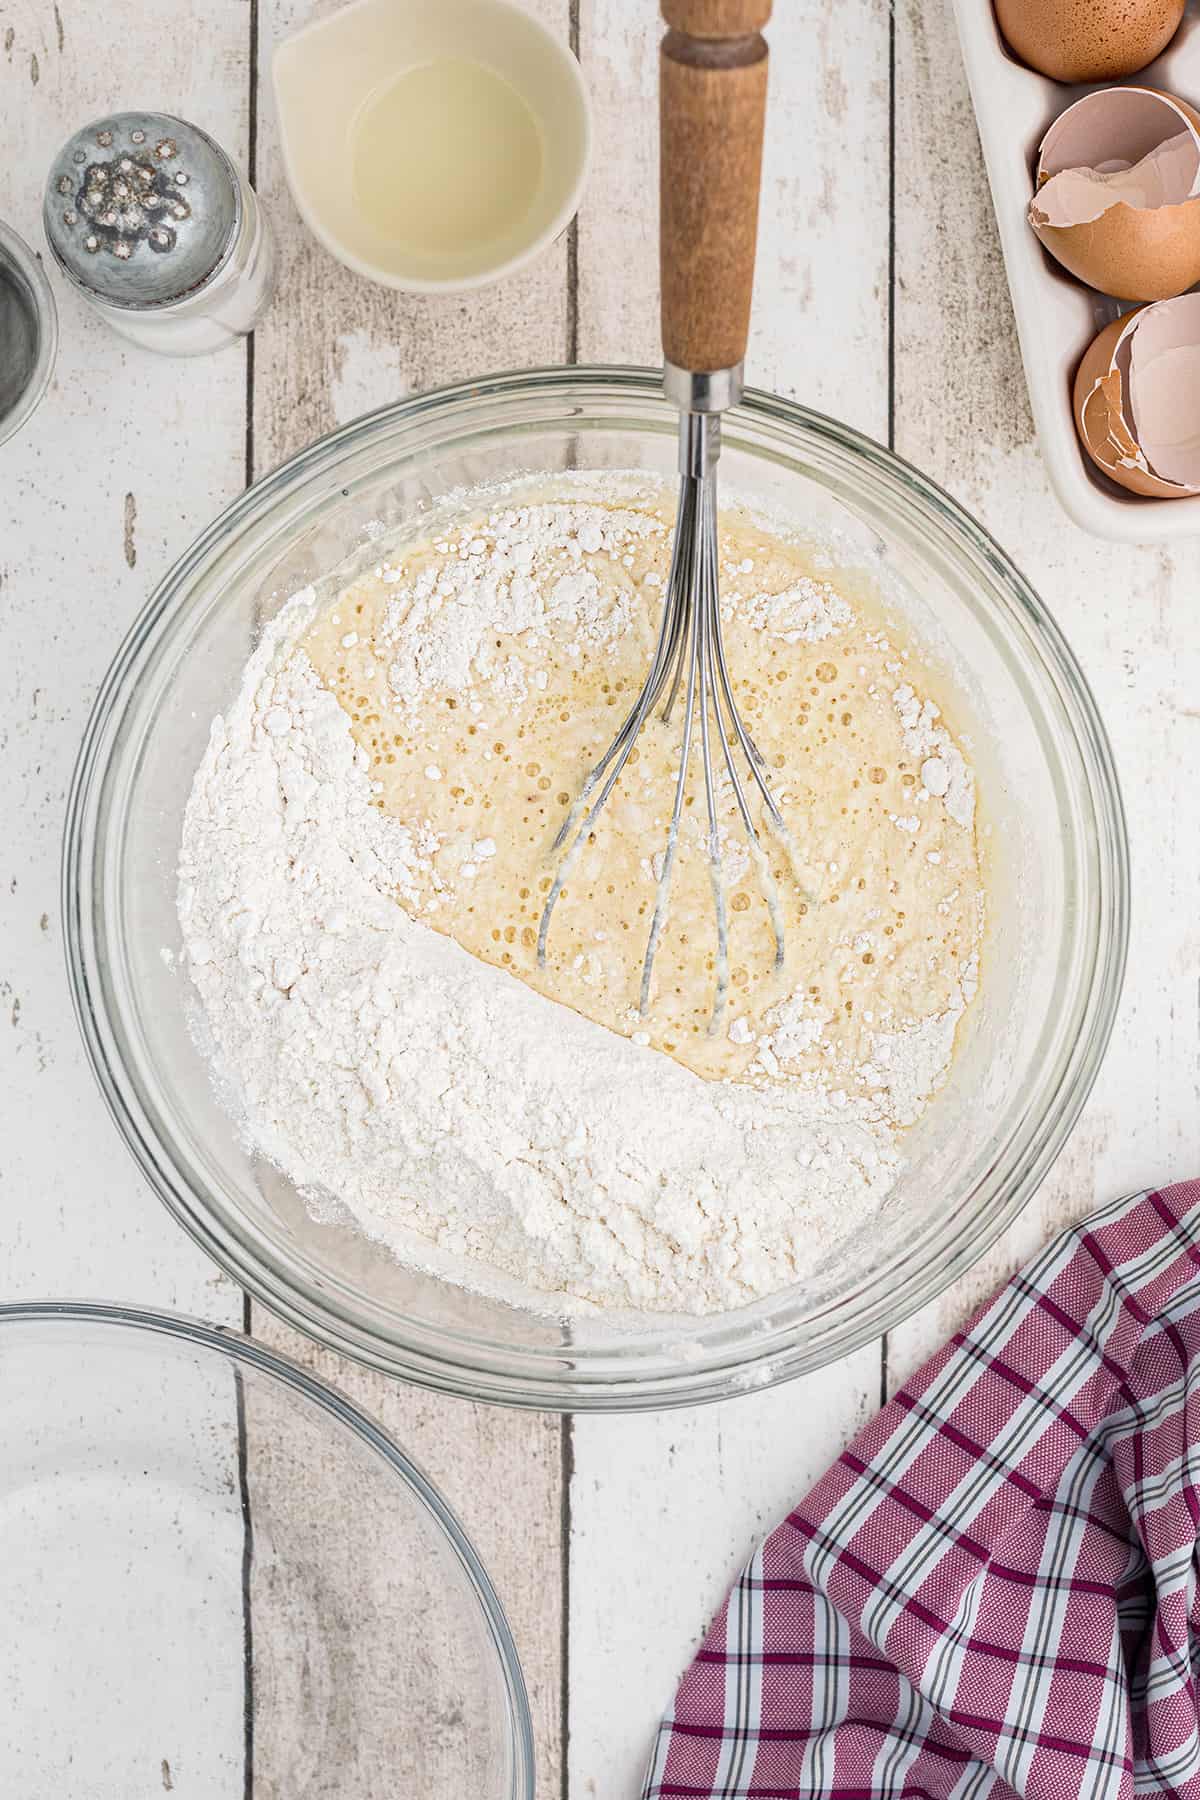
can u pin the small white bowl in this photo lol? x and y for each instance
(325, 73)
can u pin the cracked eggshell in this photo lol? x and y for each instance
(1088, 40)
(1137, 399)
(1118, 193)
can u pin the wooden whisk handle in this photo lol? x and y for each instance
(712, 101)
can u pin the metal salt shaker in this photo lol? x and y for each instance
(156, 226)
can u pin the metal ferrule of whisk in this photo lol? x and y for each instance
(689, 655)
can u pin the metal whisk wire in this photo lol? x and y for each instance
(712, 99)
(689, 653)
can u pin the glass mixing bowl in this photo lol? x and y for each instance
(218, 1576)
(1049, 803)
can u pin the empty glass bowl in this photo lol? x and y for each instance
(218, 1577)
(1050, 810)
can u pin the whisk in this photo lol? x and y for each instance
(712, 86)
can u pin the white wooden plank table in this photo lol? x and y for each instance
(880, 298)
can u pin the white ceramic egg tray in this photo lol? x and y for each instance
(1057, 318)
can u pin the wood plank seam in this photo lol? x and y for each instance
(247, 1571)
(891, 396)
(243, 1446)
(566, 1423)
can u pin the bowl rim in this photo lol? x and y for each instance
(513, 1376)
(245, 1351)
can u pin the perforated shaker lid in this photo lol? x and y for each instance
(141, 209)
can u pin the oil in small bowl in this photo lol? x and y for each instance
(477, 146)
(432, 149)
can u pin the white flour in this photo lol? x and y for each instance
(944, 773)
(440, 630)
(455, 1112)
(804, 614)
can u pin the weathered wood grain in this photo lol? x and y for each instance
(664, 1509)
(501, 1473)
(362, 1662)
(127, 458)
(819, 330)
(335, 346)
(1129, 613)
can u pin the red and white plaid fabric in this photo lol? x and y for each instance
(994, 1591)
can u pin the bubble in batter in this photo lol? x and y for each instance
(485, 668)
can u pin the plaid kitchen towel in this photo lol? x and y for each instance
(993, 1592)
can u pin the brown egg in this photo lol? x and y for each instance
(1137, 399)
(1088, 40)
(1118, 193)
